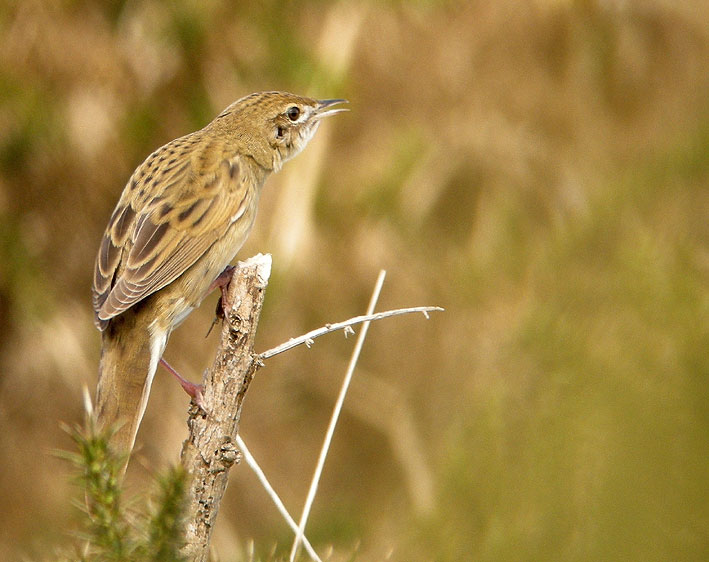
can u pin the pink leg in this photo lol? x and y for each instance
(194, 390)
(222, 282)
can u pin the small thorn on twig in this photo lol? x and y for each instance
(425, 314)
(349, 331)
(309, 343)
(218, 315)
(211, 327)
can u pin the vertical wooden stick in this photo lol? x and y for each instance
(210, 450)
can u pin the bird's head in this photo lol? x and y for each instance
(272, 127)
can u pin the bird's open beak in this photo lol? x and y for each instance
(323, 105)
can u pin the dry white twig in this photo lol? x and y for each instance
(251, 461)
(346, 325)
(334, 418)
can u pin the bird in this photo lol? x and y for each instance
(183, 215)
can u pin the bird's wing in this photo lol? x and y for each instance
(166, 219)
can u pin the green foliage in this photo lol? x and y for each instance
(112, 531)
(166, 525)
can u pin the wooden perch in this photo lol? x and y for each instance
(210, 450)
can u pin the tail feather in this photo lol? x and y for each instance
(129, 358)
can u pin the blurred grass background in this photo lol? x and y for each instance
(539, 169)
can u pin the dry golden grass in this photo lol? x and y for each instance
(539, 170)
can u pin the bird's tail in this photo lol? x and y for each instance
(129, 358)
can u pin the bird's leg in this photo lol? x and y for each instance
(194, 390)
(222, 282)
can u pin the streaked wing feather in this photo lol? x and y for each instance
(136, 284)
(110, 254)
(176, 227)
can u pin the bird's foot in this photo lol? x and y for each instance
(192, 389)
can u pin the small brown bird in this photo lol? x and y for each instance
(181, 219)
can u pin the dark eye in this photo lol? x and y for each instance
(293, 113)
(280, 132)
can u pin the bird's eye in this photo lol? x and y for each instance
(280, 132)
(293, 113)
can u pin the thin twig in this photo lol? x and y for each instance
(251, 461)
(308, 338)
(334, 418)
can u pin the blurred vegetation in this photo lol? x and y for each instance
(112, 531)
(539, 169)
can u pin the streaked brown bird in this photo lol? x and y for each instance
(181, 219)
